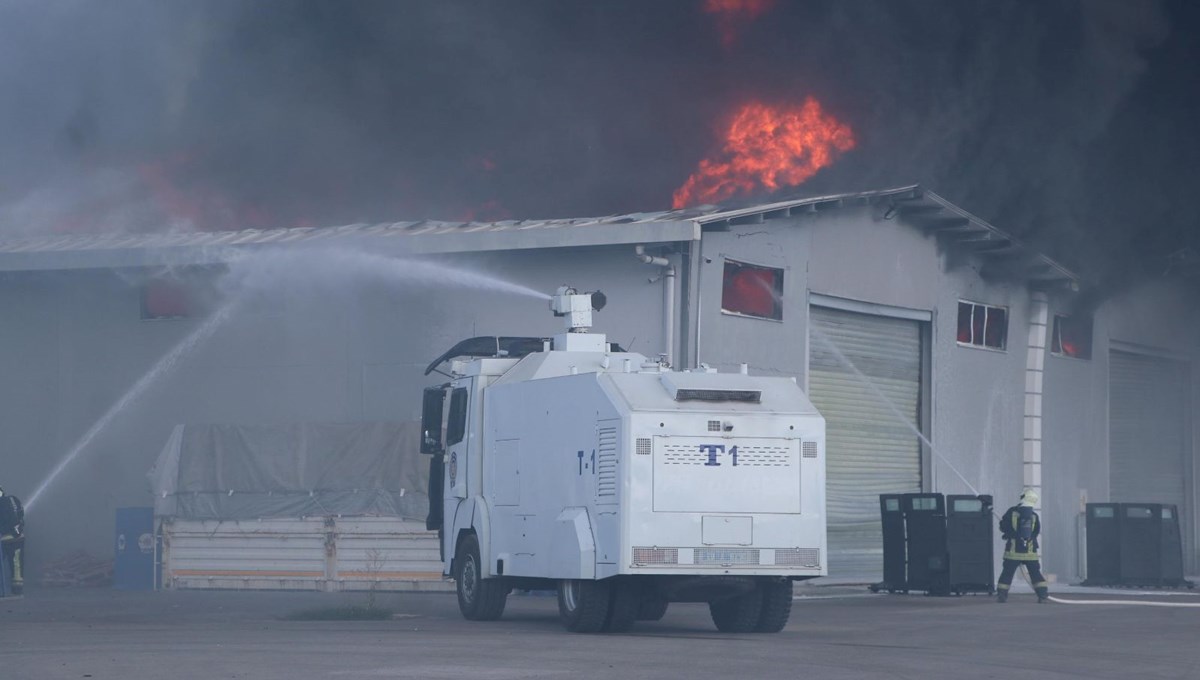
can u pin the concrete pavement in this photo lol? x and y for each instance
(835, 632)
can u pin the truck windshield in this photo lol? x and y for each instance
(456, 424)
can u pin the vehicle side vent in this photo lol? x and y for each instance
(714, 426)
(606, 462)
(656, 555)
(752, 396)
(809, 449)
(643, 446)
(798, 557)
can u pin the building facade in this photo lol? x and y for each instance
(945, 355)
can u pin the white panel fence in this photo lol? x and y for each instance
(321, 553)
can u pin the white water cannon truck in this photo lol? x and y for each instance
(570, 464)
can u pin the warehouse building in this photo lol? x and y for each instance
(945, 355)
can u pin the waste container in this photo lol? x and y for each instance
(969, 543)
(1134, 544)
(895, 555)
(5, 579)
(925, 530)
(133, 548)
(1172, 547)
(1103, 544)
(935, 543)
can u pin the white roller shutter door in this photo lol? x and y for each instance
(870, 451)
(1147, 414)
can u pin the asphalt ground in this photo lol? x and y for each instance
(835, 632)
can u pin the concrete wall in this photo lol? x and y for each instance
(976, 418)
(1161, 318)
(976, 421)
(72, 343)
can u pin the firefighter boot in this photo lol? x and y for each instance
(1002, 595)
(1043, 594)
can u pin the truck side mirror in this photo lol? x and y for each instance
(431, 419)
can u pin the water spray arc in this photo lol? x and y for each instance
(164, 366)
(845, 361)
(257, 272)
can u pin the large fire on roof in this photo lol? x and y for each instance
(766, 148)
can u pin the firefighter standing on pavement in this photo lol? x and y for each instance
(12, 538)
(1020, 527)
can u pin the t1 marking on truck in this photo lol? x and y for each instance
(713, 449)
(586, 466)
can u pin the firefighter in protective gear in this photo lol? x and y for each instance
(12, 538)
(1020, 527)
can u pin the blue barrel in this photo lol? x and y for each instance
(133, 563)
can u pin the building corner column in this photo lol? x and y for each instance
(1035, 361)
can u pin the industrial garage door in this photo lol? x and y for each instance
(870, 451)
(1147, 419)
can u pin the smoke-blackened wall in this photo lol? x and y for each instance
(1045, 118)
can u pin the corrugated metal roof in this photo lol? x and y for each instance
(922, 208)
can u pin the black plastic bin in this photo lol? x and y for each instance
(1103, 544)
(969, 536)
(925, 529)
(5, 578)
(1134, 544)
(895, 555)
(936, 544)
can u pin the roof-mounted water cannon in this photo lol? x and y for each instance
(577, 309)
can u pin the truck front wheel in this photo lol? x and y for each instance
(479, 599)
(584, 605)
(738, 614)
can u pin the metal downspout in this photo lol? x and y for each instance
(668, 279)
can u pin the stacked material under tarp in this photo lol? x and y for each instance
(229, 472)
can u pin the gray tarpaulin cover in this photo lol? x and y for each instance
(294, 470)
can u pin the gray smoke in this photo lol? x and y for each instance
(140, 115)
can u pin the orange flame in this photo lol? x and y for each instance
(733, 15)
(767, 147)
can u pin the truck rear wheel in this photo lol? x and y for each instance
(479, 599)
(776, 605)
(584, 605)
(623, 608)
(737, 614)
(652, 609)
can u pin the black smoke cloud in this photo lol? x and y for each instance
(1069, 123)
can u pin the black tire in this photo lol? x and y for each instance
(776, 605)
(584, 605)
(479, 599)
(623, 608)
(738, 614)
(652, 609)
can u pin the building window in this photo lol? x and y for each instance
(166, 299)
(982, 325)
(1072, 336)
(751, 290)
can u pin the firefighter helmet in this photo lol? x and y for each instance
(1029, 497)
